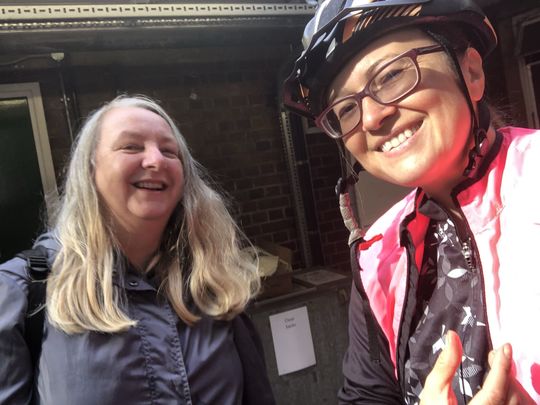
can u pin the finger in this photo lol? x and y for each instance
(496, 385)
(447, 363)
(491, 357)
(516, 394)
(501, 365)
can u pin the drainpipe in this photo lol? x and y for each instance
(59, 57)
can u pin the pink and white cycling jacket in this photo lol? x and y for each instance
(502, 208)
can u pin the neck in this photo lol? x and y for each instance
(139, 243)
(442, 190)
(443, 195)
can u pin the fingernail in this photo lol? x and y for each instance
(491, 357)
(507, 350)
(446, 340)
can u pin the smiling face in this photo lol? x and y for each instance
(138, 172)
(423, 139)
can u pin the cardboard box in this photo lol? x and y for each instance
(267, 263)
(283, 254)
(279, 281)
(274, 285)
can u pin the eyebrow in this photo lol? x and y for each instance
(135, 134)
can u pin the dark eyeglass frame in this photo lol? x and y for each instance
(412, 54)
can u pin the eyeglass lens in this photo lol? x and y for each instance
(389, 84)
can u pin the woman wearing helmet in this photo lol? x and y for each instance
(451, 268)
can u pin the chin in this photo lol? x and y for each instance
(153, 214)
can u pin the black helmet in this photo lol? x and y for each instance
(340, 28)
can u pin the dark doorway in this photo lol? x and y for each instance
(21, 190)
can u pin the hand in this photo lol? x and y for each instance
(438, 385)
(500, 362)
(499, 384)
(499, 388)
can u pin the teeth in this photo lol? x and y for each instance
(149, 185)
(398, 140)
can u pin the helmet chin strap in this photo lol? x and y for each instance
(481, 144)
(349, 177)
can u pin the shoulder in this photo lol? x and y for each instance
(519, 165)
(381, 253)
(50, 242)
(14, 272)
(520, 140)
(520, 156)
(386, 227)
(517, 132)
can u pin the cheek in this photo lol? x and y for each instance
(356, 145)
(100, 178)
(112, 176)
(179, 180)
(455, 132)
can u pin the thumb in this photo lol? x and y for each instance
(447, 363)
(495, 388)
(445, 367)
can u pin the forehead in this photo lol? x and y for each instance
(133, 121)
(377, 52)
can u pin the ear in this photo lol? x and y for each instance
(473, 72)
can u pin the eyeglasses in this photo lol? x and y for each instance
(394, 80)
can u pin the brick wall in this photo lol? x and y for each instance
(225, 103)
(325, 170)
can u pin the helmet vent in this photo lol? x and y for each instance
(367, 17)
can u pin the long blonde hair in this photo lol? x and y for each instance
(200, 249)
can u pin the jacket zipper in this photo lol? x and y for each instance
(472, 252)
(469, 251)
(472, 256)
(469, 257)
(468, 254)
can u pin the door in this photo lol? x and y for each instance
(26, 172)
(534, 67)
(528, 29)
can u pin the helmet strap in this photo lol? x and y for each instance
(481, 144)
(349, 177)
(480, 124)
(349, 172)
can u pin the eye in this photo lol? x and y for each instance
(170, 153)
(387, 77)
(132, 148)
(345, 110)
(396, 73)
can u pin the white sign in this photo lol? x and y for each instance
(293, 343)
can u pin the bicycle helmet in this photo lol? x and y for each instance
(341, 28)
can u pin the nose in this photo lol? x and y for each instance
(152, 158)
(374, 113)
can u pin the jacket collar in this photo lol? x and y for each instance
(467, 194)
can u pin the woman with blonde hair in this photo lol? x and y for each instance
(148, 285)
